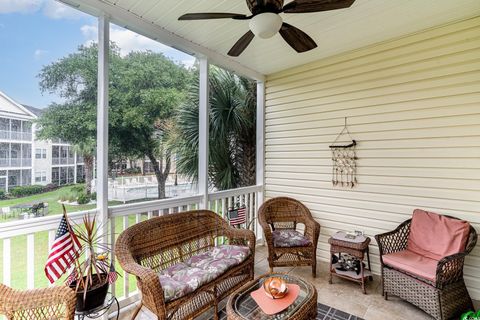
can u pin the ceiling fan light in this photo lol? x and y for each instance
(265, 25)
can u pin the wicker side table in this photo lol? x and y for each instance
(241, 306)
(357, 249)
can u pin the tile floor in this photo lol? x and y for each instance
(342, 294)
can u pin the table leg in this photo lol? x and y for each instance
(362, 270)
(330, 269)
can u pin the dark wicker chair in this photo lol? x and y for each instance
(148, 247)
(38, 304)
(447, 297)
(285, 213)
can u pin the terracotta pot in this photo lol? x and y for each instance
(275, 287)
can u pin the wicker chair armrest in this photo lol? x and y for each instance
(393, 241)
(267, 231)
(240, 236)
(312, 230)
(450, 269)
(147, 280)
(12, 301)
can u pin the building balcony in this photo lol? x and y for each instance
(16, 162)
(15, 135)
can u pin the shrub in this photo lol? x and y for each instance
(83, 198)
(78, 189)
(67, 195)
(26, 190)
(50, 187)
(93, 196)
(3, 196)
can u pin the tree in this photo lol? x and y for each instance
(74, 78)
(147, 91)
(231, 135)
(145, 88)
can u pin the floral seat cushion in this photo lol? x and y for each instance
(185, 277)
(238, 253)
(173, 289)
(287, 238)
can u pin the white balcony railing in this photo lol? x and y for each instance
(16, 162)
(15, 135)
(57, 161)
(34, 236)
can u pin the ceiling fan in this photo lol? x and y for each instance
(265, 21)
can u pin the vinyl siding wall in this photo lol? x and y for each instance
(413, 105)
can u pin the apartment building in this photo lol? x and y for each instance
(26, 160)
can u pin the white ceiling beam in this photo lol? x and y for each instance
(135, 23)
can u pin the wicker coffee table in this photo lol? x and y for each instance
(241, 306)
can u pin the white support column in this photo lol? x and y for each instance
(102, 120)
(260, 150)
(203, 128)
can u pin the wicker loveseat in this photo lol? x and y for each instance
(279, 218)
(186, 262)
(422, 262)
(38, 304)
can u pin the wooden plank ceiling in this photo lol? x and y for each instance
(365, 23)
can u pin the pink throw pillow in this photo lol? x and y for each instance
(436, 236)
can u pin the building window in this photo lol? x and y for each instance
(41, 176)
(40, 153)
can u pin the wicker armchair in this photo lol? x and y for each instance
(446, 297)
(151, 247)
(282, 215)
(43, 304)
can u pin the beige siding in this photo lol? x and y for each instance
(413, 104)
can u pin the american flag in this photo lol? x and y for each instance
(112, 274)
(64, 250)
(237, 216)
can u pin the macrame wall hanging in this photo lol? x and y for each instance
(344, 169)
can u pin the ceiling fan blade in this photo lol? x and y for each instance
(212, 15)
(241, 44)
(296, 38)
(301, 6)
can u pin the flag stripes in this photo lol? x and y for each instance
(237, 216)
(65, 249)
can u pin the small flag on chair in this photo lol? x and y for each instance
(112, 274)
(237, 216)
(65, 249)
(72, 277)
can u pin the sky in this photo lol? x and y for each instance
(35, 33)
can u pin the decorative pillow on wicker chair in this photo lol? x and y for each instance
(288, 238)
(436, 236)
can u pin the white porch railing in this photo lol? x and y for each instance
(26, 242)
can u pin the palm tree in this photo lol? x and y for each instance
(232, 131)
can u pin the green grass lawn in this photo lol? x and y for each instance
(49, 197)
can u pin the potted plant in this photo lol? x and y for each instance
(87, 257)
(93, 271)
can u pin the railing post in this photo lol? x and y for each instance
(203, 128)
(260, 149)
(102, 120)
